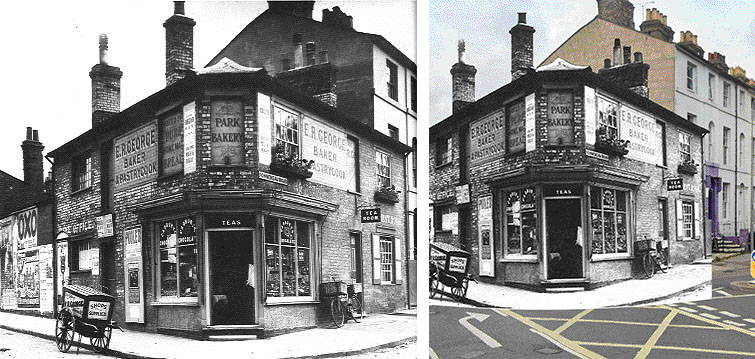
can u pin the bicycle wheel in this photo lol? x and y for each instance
(661, 260)
(336, 310)
(648, 264)
(355, 308)
(100, 344)
(64, 331)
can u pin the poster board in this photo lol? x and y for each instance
(485, 235)
(190, 137)
(133, 275)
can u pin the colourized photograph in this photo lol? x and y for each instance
(209, 179)
(590, 179)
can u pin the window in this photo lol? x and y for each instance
(288, 258)
(356, 256)
(414, 94)
(742, 103)
(711, 86)
(179, 275)
(286, 131)
(352, 144)
(691, 117)
(687, 220)
(608, 209)
(684, 147)
(608, 118)
(726, 145)
(752, 109)
(742, 149)
(82, 253)
(709, 138)
(383, 161)
(227, 132)
(521, 223)
(393, 132)
(386, 259)
(691, 76)
(445, 218)
(392, 73)
(82, 173)
(725, 200)
(443, 151)
(414, 161)
(727, 94)
(172, 144)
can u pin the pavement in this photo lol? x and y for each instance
(375, 332)
(680, 283)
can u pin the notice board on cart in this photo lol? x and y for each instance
(134, 272)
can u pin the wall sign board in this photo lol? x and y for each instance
(264, 129)
(674, 184)
(134, 273)
(371, 215)
(227, 132)
(136, 157)
(529, 122)
(560, 119)
(516, 130)
(328, 147)
(190, 137)
(487, 138)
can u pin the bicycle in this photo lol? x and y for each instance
(340, 310)
(654, 256)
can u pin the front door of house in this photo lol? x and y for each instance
(564, 238)
(232, 277)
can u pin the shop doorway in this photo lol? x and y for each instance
(232, 277)
(564, 238)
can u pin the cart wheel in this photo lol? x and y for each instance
(355, 307)
(648, 264)
(336, 310)
(434, 283)
(457, 293)
(64, 331)
(100, 344)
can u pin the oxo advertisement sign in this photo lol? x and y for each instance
(25, 228)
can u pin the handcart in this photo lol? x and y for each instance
(86, 312)
(449, 267)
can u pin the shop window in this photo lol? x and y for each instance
(179, 276)
(608, 117)
(608, 209)
(82, 173)
(684, 147)
(521, 223)
(288, 258)
(172, 144)
(726, 134)
(727, 93)
(515, 131)
(691, 77)
(688, 220)
(383, 171)
(227, 132)
(386, 260)
(392, 74)
(82, 253)
(286, 131)
(443, 151)
(445, 218)
(352, 144)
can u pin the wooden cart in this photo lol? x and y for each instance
(86, 312)
(449, 267)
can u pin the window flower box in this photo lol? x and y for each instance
(687, 167)
(387, 194)
(610, 145)
(289, 165)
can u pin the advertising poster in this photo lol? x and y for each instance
(190, 137)
(645, 136)
(27, 281)
(172, 144)
(62, 267)
(560, 119)
(135, 157)
(329, 148)
(46, 282)
(26, 229)
(516, 132)
(8, 263)
(265, 132)
(487, 138)
(227, 133)
(529, 122)
(133, 274)
(591, 115)
(484, 234)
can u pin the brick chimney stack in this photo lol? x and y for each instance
(337, 18)
(629, 75)
(620, 12)
(32, 150)
(463, 80)
(719, 61)
(106, 86)
(295, 8)
(655, 25)
(179, 44)
(521, 47)
(689, 42)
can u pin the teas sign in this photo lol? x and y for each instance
(26, 228)
(98, 310)
(487, 138)
(136, 157)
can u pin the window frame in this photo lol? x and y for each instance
(383, 178)
(532, 255)
(628, 229)
(158, 275)
(413, 104)
(685, 147)
(444, 151)
(438, 212)
(277, 243)
(81, 173)
(392, 81)
(725, 189)
(605, 120)
(688, 212)
(726, 94)
(393, 132)
(725, 134)
(298, 119)
(711, 87)
(387, 259)
(691, 77)
(74, 257)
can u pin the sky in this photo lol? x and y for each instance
(49, 47)
(725, 26)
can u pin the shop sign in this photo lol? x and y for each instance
(273, 178)
(562, 190)
(227, 132)
(230, 221)
(487, 138)
(104, 225)
(79, 227)
(560, 119)
(645, 136)
(591, 115)
(516, 127)
(74, 302)
(329, 148)
(98, 310)
(484, 229)
(172, 144)
(457, 264)
(264, 129)
(287, 232)
(462, 194)
(190, 137)
(674, 184)
(529, 122)
(596, 154)
(371, 215)
(135, 157)
(26, 228)
(187, 232)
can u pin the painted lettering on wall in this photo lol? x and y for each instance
(487, 138)
(645, 136)
(227, 132)
(172, 156)
(560, 119)
(26, 228)
(136, 157)
(516, 130)
(329, 148)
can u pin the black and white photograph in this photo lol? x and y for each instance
(209, 179)
(590, 179)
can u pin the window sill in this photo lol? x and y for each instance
(443, 231)
(176, 303)
(292, 301)
(227, 167)
(610, 257)
(79, 191)
(354, 193)
(81, 271)
(522, 259)
(439, 166)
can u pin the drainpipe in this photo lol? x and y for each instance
(54, 242)
(736, 160)
(702, 198)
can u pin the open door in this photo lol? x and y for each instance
(231, 267)
(564, 238)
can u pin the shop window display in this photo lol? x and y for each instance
(179, 276)
(609, 221)
(287, 255)
(521, 222)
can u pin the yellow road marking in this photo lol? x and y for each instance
(666, 347)
(656, 335)
(433, 355)
(571, 321)
(723, 293)
(711, 321)
(629, 323)
(555, 336)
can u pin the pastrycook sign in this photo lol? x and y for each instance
(136, 157)
(328, 147)
(487, 138)
(645, 136)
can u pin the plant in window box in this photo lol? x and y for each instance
(387, 194)
(289, 165)
(687, 166)
(610, 145)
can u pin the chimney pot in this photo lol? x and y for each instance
(29, 133)
(607, 63)
(638, 57)
(627, 54)
(178, 8)
(103, 49)
(462, 47)
(106, 86)
(522, 17)
(35, 137)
